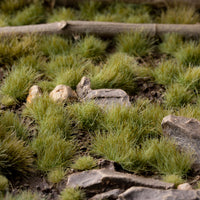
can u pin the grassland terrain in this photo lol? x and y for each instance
(44, 141)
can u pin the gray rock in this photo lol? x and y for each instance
(112, 194)
(63, 93)
(101, 96)
(100, 180)
(185, 132)
(141, 193)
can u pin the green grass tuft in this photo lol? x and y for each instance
(173, 178)
(34, 14)
(167, 72)
(84, 163)
(180, 15)
(3, 183)
(60, 14)
(56, 175)
(24, 195)
(92, 47)
(177, 95)
(189, 53)
(72, 194)
(118, 72)
(136, 44)
(87, 115)
(16, 85)
(170, 43)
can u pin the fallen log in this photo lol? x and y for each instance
(103, 29)
(157, 3)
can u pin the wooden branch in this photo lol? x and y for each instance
(158, 3)
(105, 29)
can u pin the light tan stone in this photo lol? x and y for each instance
(184, 186)
(63, 93)
(34, 92)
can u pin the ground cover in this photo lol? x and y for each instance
(48, 139)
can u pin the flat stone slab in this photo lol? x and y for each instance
(112, 194)
(101, 96)
(185, 132)
(142, 193)
(101, 180)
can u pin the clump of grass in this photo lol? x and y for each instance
(54, 45)
(10, 6)
(33, 14)
(56, 175)
(170, 43)
(87, 115)
(3, 20)
(72, 194)
(24, 195)
(53, 151)
(191, 78)
(189, 53)
(167, 72)
(84, 163)
(15, 157)
(177, 95)
(180, 15)
(62, 14)
(46, 85)
(88, 9)
(92, 47)
(118, 72)
(173, 178)
(16, 85)
(3, 183)
(136, 44)
(163, 156)
(12, 123)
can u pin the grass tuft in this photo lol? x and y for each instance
(24, 195)
(56, 175)
(3, 183)
(173, 178)
(135, 44)
(72, 194)
(16, 85)
(118, 72)
(84, 163)
(177, 95)
(34, 14)
(170, 43)
(92, 48)
(180, 15)
(189, 53)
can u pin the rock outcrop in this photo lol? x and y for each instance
(142, 193)
(185, 132)
(101, 96)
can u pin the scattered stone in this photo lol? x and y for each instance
(63, 93)
(184, 186)
(34, 91)
(186, 133)
(112, 194)
(108, 164)
(101, 96)
(101, 180)
(142, 193)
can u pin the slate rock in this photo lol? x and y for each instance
(101, 96)
(34, 91)
(142, 193)
(185, 132)
(63, 93)
(101, 180)
(112, 194)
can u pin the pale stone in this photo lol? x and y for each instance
(63, 93)
(184, 186)
(34, 91)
